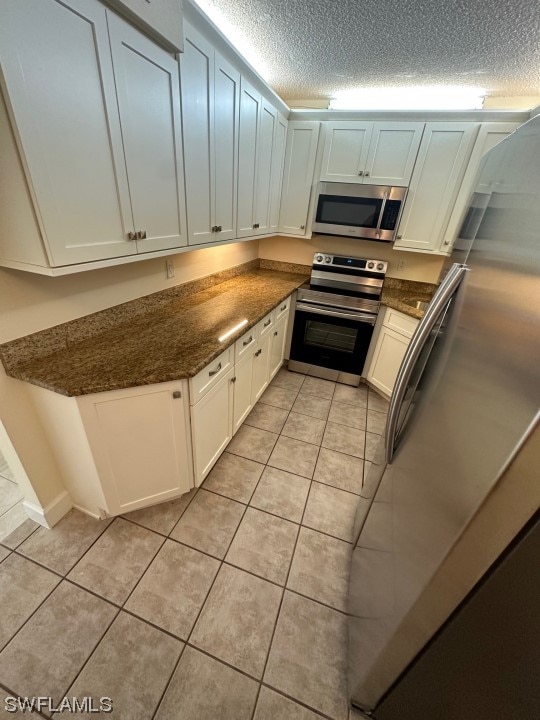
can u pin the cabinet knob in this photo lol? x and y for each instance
(219, 228)
(141, 234)
(131, 236)
(233, 380)
(215, 372)
(214, 228)
(275, 333)
(302, 227)
(258, 353)
(177, 394)
(366, 173)
(360, 172)
(399, 237)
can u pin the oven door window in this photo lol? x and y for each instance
(349, 211)
(326, 335)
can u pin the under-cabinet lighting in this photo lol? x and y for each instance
(432, 97)
(230, 332)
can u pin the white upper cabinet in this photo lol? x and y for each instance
(162, 19)
(57, 69)
(149, 102)
(440, 166)
(260, 161)
(299, 166)
(372, 153)
(98, 133)
(210, 92)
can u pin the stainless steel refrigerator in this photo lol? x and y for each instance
(457, 475)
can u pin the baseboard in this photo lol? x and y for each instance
(52, 513)
(84, 510)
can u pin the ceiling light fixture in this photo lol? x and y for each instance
(235, 37)
(430, 97)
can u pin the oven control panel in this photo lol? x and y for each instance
(338, 261)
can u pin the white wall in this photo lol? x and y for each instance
(406, 265)
(29, 303)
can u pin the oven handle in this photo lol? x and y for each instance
(361, 318)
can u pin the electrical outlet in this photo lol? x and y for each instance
(169, 264)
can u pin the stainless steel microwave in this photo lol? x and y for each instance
(362, 211)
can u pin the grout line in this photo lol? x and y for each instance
(298, 702)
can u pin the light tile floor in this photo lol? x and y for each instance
(228, 603)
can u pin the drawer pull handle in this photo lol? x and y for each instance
(215, 372)
(177, 394)
(267, 323)
(248, 342)
(258, 353)
(281, 309)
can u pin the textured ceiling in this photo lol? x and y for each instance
(312, 49)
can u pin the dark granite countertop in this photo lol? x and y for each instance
(402, 294)
(172, 341)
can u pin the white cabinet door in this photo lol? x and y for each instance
(261, 367)
(392, 153)
(490, 135)
(197, 64)
(226, 97)
(57, 69)
(390, 348)
(162, 19)
(250, 106)
(243, 381)
(277, 171)
(148, 92)
(440, 166)
(212, 426)
(277, 346)
(140, 442)
(345, 151)
(300, 153)
(265, 155)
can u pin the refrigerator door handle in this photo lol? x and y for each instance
(444, 293)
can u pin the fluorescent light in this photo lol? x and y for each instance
(419, 97)
(235, 36)
(230, 332)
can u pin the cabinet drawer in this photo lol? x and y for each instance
(399, 322)
(266, 324)
(282, 308)
(210, 376)
(246, 343)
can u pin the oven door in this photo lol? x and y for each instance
(331, 338)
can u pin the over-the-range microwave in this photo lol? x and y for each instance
(362, 211)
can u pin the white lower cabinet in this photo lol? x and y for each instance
(261, 367)
(120, 450)
(391, 340)
(277, 345)
(242, 398)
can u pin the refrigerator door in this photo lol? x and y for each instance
(466, 415)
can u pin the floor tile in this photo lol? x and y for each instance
(22, 528)
(308, 656)
(348, 440)
(267, 417)
(281, 493)
(46, 655)
(288, 380)
(237, 620)
(372, 443)
(376, 422)
(279, 397)
(252, 443)
(339, 470)
(331, 511)
(273, 706)
(174, 588)
(163, 517)
(263, 545)
(376, 402)
(10, 495)
(351, 395)
(131, 665)
(60, 548)
(113, 566)
(318, 387)
(320, 568)
(23, 587)
(350, 415)
(303, 427)
(317, 407)
(234, 476)
(205, 689)
(11, 522)
(294, 456)
(4, 552)
(209, 523)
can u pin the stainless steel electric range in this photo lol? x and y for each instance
(335, 315)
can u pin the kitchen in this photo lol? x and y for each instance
(34, 302)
